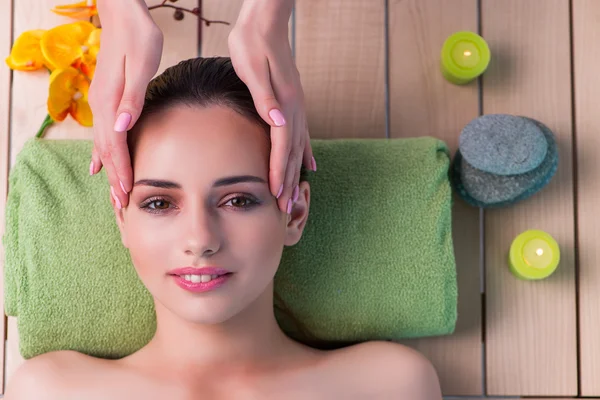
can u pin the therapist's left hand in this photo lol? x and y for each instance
(262, 57)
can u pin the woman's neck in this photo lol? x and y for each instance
(251, 337)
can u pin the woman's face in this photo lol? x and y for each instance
(201, 199)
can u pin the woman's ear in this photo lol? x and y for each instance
(120, 221)
(297, 219)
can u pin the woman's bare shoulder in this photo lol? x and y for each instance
(384, 370)
(49, 375)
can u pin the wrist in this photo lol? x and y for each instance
(266, 13)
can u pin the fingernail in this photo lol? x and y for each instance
(314, 164)
(92, 168)
(115, 198)
(289, 207)
(280, 191)
(296, 193)
(123, 187)
(122, 122)
(277, 117)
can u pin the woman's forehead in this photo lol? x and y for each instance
(206, 138)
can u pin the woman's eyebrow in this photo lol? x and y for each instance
(158, 183)
(230, 180)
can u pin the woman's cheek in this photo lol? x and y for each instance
(148, 240)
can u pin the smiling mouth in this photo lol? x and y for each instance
(200, 278)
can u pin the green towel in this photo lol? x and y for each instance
(376, 260)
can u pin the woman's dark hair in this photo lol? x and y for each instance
(204, 82)
(200, 82)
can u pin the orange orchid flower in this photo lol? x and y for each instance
(68, 94)
(75, 44)
(83, 9)
(26, 54)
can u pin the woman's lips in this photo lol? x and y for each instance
(200, 279)
(184, 282)
(199, 271)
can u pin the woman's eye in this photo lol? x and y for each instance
(158, 205)
(241, 202)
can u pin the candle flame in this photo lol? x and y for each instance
(467, 53)
(539, 252)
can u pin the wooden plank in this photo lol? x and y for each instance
(586, 33)
(531, 343)
(214, 37)
(5, 77)
(30, 92)
(422, 103)
(340, 56)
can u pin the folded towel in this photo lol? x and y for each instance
(376, 260)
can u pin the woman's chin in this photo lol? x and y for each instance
(204, 314)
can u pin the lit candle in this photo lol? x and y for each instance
(534, 254)
(465, 56)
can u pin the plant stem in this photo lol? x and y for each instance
(47, 122)
(207, 21)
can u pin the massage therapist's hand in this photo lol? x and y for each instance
(261, 55)
(129, 57)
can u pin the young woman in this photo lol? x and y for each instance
(206, 237)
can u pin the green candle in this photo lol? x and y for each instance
(465, 56)
(534, 254)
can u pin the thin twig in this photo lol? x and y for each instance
(207, 21)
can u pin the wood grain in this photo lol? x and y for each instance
(531, 343)
(29, 94)
(214, 37)
(586, 34)
(340, 56)
(422, 103)
(5, 78)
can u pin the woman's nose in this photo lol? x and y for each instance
(202, 234)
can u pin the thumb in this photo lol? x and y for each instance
(264, 100)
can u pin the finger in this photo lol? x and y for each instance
(258, 80)
(295, 161)
(96, 163)
(104, 151)
(127, 114)
(281, 144)
(105, 93)
(308, 158)
(292, 176)
(292, 170)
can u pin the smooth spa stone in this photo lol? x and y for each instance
(503, 144)
(486, 190)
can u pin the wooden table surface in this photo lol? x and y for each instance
(370, 68)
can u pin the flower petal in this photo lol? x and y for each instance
(62, 45)
(80, 108)
(82, 9)
(87, 65)
(81, 112)
(81, 4)
(26, 54)
(81, 14)
(62, 88)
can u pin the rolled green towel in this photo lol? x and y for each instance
(375, 262)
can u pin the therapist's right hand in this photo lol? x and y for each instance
(130, 50)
